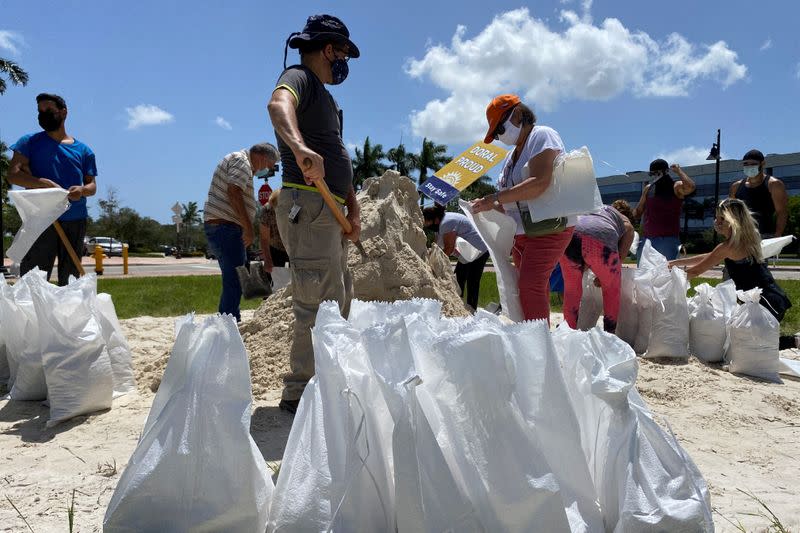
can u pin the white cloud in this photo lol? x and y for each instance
(584, 61)
(222, 123)
(767, 45)
(147, 115)
(351, 147)
(11, 41)
(688, 155)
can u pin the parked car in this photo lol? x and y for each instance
(111, 247)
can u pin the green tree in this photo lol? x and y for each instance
(190, 217)
(15, 74)
(432, 156)
(402, 160)
(368, 163)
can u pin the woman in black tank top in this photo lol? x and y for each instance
(741, 253)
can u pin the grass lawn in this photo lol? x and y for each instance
(166, 296)
(178, 295)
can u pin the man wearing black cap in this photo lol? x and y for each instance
(764, 195)
(308, 127)
(661, 203)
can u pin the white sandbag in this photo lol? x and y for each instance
(22, 350)
(118, 350)
(37, 208)
(573, 190)
(753, 334)
(644, 480)
(634, 245)
(707, 321)
(77, 368)
(466, 252)
(466, 395)
(665, 289)
(772, 247)
(196, 467)
(498, 230)
(544, 401)
(427, 498)
(591, 307)
(336, 473)
(628, 317)
(789, 367)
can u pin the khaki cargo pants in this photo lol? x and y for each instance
(318, 257)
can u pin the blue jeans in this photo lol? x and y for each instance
(225, 242)
(666, 246)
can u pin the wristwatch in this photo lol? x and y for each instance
(497, 197)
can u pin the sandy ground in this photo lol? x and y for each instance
(742, 433)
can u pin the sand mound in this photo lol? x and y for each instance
(398, 266)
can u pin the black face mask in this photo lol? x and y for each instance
(433, 227)
(665, 186)
(49, 121)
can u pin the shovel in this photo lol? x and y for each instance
(331, 203)
(255, 283)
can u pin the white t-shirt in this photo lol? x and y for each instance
(540, 139)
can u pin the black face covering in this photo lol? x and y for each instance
(433, 227)
(49, 121)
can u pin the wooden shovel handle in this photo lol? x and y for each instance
(68, 246)
(329, 201)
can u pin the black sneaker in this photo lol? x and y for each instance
(289, 406)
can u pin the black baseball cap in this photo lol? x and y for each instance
(754, 155)
(659, 164)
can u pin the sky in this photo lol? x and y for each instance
(161, 91)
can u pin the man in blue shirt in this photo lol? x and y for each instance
(52, 158)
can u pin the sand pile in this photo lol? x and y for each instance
(398, 266)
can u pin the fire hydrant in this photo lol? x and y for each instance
(98, 260)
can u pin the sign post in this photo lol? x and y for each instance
(448, 182)
(178, 220)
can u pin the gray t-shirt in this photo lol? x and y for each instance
(606, 225)
(463, 228)
(320, 121)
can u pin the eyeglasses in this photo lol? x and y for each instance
(656, 173)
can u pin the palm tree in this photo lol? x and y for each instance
(190, 217)
(432, 157)
(367, 163)
(404, 162)
(14, 73)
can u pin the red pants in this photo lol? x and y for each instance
(535, 259)
(585, 251)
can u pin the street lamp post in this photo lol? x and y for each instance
(715, 154)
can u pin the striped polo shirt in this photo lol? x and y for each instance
(234, 169)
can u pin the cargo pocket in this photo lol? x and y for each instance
(308, 280)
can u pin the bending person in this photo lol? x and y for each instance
(526, 174)
(448, 227)
(600, 242)
(741, 253)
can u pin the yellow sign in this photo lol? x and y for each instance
(471, 165)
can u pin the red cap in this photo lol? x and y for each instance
(497, 108)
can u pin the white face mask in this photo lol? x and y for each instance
(510, 135)
(751, 171)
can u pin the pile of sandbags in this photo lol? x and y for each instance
(415, 422)
(196, 467)
(63, 344)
